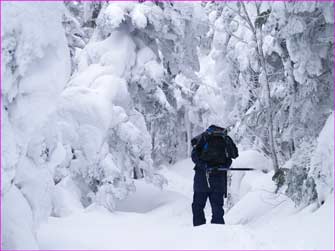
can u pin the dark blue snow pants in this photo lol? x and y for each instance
(199, 203)
(214, 190)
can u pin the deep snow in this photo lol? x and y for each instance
(63, 123)
(161, 219)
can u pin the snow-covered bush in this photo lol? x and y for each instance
(300, 186)
(309, 174)
(322, 162)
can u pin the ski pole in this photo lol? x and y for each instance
(240, 169)
(235, 169)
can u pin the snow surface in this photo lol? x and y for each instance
(17, 219)
(75, 130)
(162, 219)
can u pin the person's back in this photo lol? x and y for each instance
(212, 152)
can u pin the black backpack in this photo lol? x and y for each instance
(218, 149)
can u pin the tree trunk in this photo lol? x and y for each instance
(86, 12)
(261, 60)
(269, 103)
(293, 86)
(188, 132)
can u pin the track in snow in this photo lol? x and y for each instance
(148, 219)
(162, 219)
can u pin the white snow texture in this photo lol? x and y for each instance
(101, 99)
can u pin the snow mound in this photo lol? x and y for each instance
(253, 159)
(17, 224)
(243, 182)
(257, 198)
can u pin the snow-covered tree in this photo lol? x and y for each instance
(35, 69)
(277, 52)
(166, 36)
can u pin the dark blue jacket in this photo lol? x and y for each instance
(217, 182)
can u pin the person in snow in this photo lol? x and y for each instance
(212, 153)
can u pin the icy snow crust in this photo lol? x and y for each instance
(162, 219)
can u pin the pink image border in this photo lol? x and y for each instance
(1, 131)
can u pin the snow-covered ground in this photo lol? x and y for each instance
(161, 219)
(95, 94)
